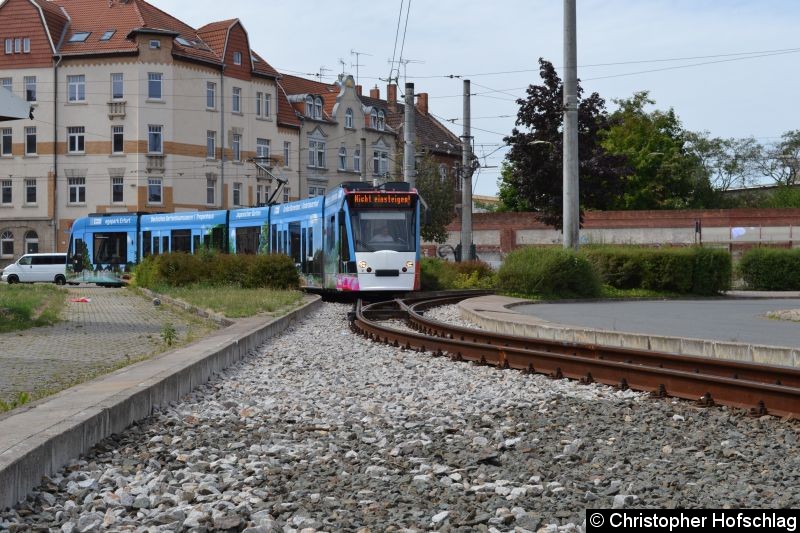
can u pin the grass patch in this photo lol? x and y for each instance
(234, 302)
(30, 306)
(608, 291)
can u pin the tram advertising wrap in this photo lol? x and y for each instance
(355, 238)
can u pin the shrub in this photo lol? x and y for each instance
(438, 274)
(681, 270)
(771, 269)
(548, 272)
(274, 271)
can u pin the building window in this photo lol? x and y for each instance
(309, 106)
(211, 189)
(17, 45)
(75, 137)
(237, 100)
(267, 105)
(237, 194)
(211, 95)
(77, 190)
(443, 173)
(381, 120)
(342, 158)
(107, 35)
(318, 108)
(154, 80)
(287, 149)
(380, 163)
(31, 242)
(316, 154)
(117, 189)
(117, 139)
(5, 142)
(154, 140)
(316, 191)
(117, 92)
(79, 36)
(30, 191)
(262, 148)
(6, 83)
(237, 58)
(348, 118)
(5, 192)
(76, 88)
(30, 88)
(357, 160)
(286, 193)
(373, 119)
(211, 144)
(236, 144)
(155, 44)
(6, 244)
(30, 140)
(154, 186)
(260, 195)
(9, 46)
(258, 104)
(26, 45)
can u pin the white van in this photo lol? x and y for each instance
(30, 268)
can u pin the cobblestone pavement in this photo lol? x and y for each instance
(117, 325)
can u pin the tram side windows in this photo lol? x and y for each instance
(182, 240)
(247, 239)
(218, 238)
(110, 248)
(77, 260)
(196, 243)
(348, 264)
(147, 241)
(165, 244)
(294, 242)
(273, 233)
(156, 247)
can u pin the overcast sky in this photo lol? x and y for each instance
(728, 96)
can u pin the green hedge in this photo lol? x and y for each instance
(771, 269)
(438, 274)
(548, 272)
(695, 270)
(274, 271)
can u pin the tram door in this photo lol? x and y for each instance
(197, 239)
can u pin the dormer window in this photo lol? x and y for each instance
(318, 108)
(309, 106)
(182, 41)
(108, 35)
(155, 44)
(381, 120)
(314, 107)
(79, 36)
(348, 118)
(373, 119)
(237, 58)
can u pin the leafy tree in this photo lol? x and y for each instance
(532, 177)
(665, 174)
(781, 161)
(438, 194)
(728, 162)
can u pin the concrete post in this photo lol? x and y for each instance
(466, 182)
(571, 215)
(409, 133)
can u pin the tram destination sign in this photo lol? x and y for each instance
(381, 200)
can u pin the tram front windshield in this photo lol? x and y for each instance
(375, 230)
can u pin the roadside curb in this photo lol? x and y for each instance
(494, 313)
(38, 441)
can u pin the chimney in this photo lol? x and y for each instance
(375, 93)
(422, 103)
(359, 90)
(391, 96)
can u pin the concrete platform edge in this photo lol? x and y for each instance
(52, 445)
(494, 313)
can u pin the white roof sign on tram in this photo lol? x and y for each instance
(12, 107)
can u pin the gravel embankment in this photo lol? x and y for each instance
(324, 430)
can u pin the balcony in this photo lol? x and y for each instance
(116, 109)
(155, 163)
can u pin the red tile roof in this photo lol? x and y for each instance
(55, 18)
(215, 34)
(286, 113)
(432, 135)
(260, 66)
(295, 85)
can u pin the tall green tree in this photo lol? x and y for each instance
(729, 162)
(665, 174)
(532, 178)
(781, 161)
(439, 195)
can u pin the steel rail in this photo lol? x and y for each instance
(661, 379)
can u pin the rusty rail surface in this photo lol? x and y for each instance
(763, 389)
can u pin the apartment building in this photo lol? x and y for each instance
(134, 110)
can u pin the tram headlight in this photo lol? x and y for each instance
(362, 265)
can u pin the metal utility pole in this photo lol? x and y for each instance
(571, 215)
(467, 247)
(409, 170)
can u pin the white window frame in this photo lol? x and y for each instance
(155, 44)
(6, 185)
(31, 130)
(17, 45)
(287, 192)
(9, 48)
(30, 183)
(381, 120)
(236, 96)
(117, 78)
(31, 238)
(8, 84)
(259, 193)
(287, 151)
(237, 193)
(342, 158)
(211, 144)
(262, 148)
(211, 191)
(6, 237)
(310, 106)
(258, 104)
(155, 182)
(6, 133)
(118, 181)
(155, 79)
(211, 95)
(76, 140)
(26, 45)
(318, 108)
(236, 147)
(77, 191)
(237, 58)
(29, 81)
(357, 160)
(348, 118)
(155, 132)
(373, 119)
(117, 130)
(267, 105)
(76, 88)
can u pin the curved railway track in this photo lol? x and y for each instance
(762, 389)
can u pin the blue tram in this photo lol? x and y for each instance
(355, 238)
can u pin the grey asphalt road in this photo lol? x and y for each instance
(723, 320)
